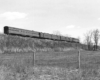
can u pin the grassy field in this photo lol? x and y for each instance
(50, 66)
(59, 59)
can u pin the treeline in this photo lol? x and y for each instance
(10, 44)
(92, 40)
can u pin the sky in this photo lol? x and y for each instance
(69, 17)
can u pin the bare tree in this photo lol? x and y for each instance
(67, 35)
(57, 33)
(88, 40)
(96, 36)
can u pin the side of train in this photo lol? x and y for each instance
(34, 34)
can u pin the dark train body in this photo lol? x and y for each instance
(34, 34)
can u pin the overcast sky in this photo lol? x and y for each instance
(71, 17)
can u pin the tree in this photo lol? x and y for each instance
(88, 40)
(57, 33)
(96, 36)
(67, 35)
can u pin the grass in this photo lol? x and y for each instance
(48, 73)
(50, 66)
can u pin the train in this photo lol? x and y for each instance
(34, 34)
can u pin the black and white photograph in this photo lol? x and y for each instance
(49, 39)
